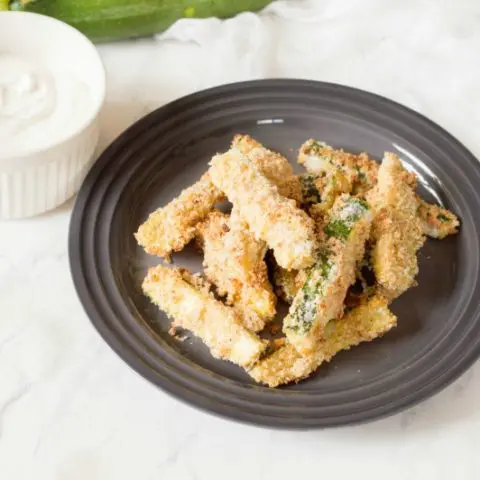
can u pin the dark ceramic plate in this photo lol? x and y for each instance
(438, 333)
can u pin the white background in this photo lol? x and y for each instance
(70, 409)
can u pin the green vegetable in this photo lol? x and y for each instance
(361, 175)
(442, 217)
(311, 193)
(361, 203)
(105, 20)
(315, 147)
(305, 308)
(324, 286)
(341, 227)
(338, 229)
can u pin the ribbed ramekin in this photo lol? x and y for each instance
(41, 180)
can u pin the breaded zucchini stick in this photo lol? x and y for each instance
(397, 231)
(287, 283)
(362, 324)
(271, 217)
(321, 297)
(437, 222)
(217, 325)
(273, 165)
(170, 228)
(362, 172)
(234, 262)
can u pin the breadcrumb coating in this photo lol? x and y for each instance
(220, 327)
(362, 324)
(271, 217)
(362, 172)
(171, 227)
(288, 282)
(234, 262)
(322, 296)
(396, 229)
(437, 222)
(315, 190)
(273, 165)
(317, 226)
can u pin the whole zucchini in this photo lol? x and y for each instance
(106, 20)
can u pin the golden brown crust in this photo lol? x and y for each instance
(362, 171)
(322, 297)
(291, 187)
(268, 201)
(437, 222)
(362, 324)
(220, 327)
(315, 193)
(273, 165)
(271, 217)
(233, 261)
(288, 282)
(397, 231)
(170, 228)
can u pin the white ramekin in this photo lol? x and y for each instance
(41, 180)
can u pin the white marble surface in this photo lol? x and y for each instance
(71, 410)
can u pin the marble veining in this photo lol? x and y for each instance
(70, 409)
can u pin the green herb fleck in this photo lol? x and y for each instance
(337, 229)
(341, 228)
(306, 310)
(360, 174)
(443, 218)
(311, 193)
(361, 202)
(316, 147)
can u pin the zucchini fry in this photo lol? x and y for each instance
(362, 324)
(362, 172)
(397, 231)
(273, 165)
(233, 261)
(220, 327)
(271, 217)
(171, 227)
(321, 297)
(437, 222)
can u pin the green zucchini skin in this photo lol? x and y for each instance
(107, 20)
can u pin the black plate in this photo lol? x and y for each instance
(438, 336)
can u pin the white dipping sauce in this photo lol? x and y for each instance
(38, 105)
